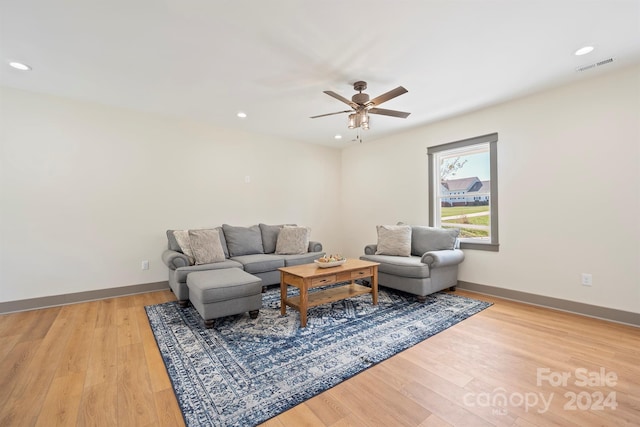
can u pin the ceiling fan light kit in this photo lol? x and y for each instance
(362, 106)
(359, 120)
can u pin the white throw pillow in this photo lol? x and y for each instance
(206, 246)
(394, 240)
(293, 241)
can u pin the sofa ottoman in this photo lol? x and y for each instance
(225, 292)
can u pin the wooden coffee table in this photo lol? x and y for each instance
(307, 276)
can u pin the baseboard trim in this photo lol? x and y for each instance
(57, 300)
(589, 310)
(611, 314)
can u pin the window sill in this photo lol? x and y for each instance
(491, 247)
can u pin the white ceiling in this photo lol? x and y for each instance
(209, 59)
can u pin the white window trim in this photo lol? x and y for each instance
(434, 181)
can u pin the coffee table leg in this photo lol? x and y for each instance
(374, 286)
(304, 301)
(283, 295)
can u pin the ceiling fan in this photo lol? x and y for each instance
(362, 106)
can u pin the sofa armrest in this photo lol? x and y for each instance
(174, 259)
(315, 246)
(370, 249)
(443, 258)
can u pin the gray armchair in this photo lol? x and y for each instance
(431, 266)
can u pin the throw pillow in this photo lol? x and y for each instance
(394, 240)
(293, 241)
(182, 237)
(425, 239)
(243, 240)
(173, 243)
(223, 242)
(270, 236)
(206, 246)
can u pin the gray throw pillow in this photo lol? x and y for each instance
(293, 241)
(394, 240)
(223, 242)
(243, 240)
(206, 246)
(270, 236)
(184, 242)
(425, 239)
(173, 243)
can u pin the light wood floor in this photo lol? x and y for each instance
(97, 363)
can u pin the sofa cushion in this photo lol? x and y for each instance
(243, 240)
(394, 240)
(410, 266)
(260, 263)
(269, 237)
(292, 241)
(206, 246)
(298, 259)
(426, 239)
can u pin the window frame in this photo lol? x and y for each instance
(434, 180)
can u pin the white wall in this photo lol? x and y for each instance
(569, 190)
(87, 191)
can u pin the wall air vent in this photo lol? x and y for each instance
(595, 64)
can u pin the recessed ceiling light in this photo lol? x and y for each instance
(338, 137)
(242, 115)
(19, 66)
(583, 50)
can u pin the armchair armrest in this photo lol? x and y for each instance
(315, 246)
(174, 259)
(370, 249)
(443, 258)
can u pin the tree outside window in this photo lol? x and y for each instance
(463, 190)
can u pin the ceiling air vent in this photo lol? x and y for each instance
(594, 65)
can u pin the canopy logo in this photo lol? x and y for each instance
(587, 400)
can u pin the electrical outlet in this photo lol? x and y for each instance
(145, 265)
(586, 279)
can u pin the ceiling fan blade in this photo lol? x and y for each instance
(387, 96)
(392, 113)
(331, 114)
(341, 98)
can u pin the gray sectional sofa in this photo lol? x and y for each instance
(257, 250)
(416, 259)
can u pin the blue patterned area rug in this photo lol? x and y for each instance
(243, 371)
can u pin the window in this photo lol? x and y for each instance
(463, 190)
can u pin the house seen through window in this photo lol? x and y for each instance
(463, 190)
